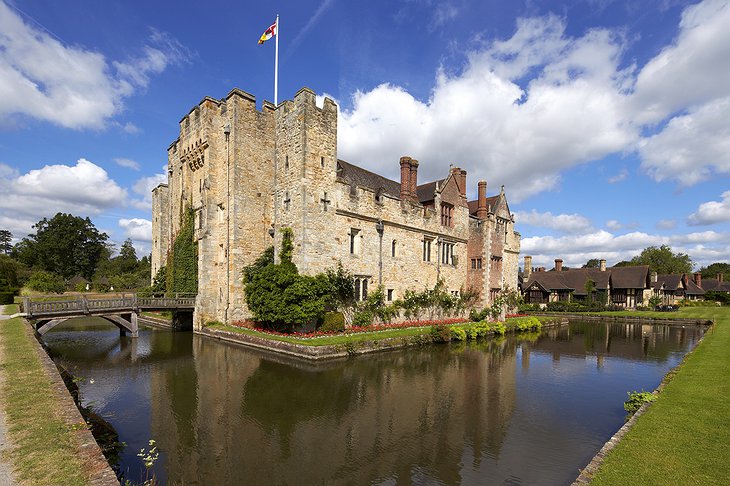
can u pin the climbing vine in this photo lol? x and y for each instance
(182, 262)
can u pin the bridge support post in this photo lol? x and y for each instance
(127, 323)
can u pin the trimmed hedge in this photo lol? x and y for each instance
(333, 322)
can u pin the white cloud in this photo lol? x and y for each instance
(128, 163)
(131, 128)
(443, 13)
(613, 225)
(691, 147)
(70, 86)
(691, 71)
(482, 120)
(618, 177)
(144, 187)
(81, 189)
(568, 223)
(666, 223)
(704, 248)
(712, 212)
(137, 228)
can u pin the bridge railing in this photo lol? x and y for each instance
(82, 305)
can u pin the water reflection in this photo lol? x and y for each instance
(521, 411)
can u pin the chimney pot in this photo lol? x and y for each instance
(528, 263)
(405, 178)
(719, 277)
(558, 265)
(654, 276)
(414, 180)
(603, 265)
(698, 279)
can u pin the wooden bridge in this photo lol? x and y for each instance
(122, 310)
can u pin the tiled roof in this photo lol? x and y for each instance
(715, 284)
(491, 203)
(358, 176)
(636, 277)
(671, 282)
(693, 289)
(425, 191)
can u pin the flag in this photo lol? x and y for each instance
(268, 34)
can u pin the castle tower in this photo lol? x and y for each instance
(306, 165)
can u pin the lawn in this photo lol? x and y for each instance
(683, 437)
(11, 309)
(44, 450)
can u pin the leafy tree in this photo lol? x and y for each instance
(663, 260)
(127, 257)
(12, 273)
(593, 263)
(65, 244)
(623, 263)
(46, 282)
(6, 238)
(711, 271)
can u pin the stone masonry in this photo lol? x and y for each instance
(247, 174)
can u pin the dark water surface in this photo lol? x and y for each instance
(530, 410)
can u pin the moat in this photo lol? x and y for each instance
(516, 410)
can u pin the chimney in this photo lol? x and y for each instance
(603, 265)
(414, 180)
(460, 176)
(654, 277)
(528, 259)
(405, 178)
(719, 278)
(558, 265)
(698, 279)
(482, 210)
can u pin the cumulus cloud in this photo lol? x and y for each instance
(483, 120)
(613, 225)
(73, 87)
(144, 187)
(712, 212)
(128, 163)
(137, 228)
(81, 189)
(542, 101)
(568, 223)
(704, 247)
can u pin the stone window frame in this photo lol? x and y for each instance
(447, 253)
(447, 214)
(394, 248)
(389, 295)
(361, 287)
(355, 246)
(427, 243)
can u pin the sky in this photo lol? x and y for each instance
(606, 121)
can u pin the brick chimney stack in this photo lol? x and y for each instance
(654, 277)
(414, 180)
(719, 277)
(482, 210)
(603, 265)
(698, 279)
(405, 178)
(558, 265)
(460, 176)
(528, 259)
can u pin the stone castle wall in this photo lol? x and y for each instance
(246, 172)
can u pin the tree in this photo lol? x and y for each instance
(663, 260)
(593, 263)
(6, 238)
(127, 257)
(623, 263)
(711, 271)
(65, 244)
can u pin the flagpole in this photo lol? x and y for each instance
(276, 64)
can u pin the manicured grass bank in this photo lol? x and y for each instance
(44, 450)
(683, 437)
(340, 339)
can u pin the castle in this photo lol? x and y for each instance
(248, 173)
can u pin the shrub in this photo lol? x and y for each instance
(477, 316)
(333, 322)
(528, 324)
(363, 318)
(528, 308)
(46, 282)
(482, 329)
(458, 334)
(6, 298)
(637, 399)
(499, 329)
(440, 334)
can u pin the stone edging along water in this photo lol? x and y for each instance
(334, 351)
(93, 460)
(587, 473)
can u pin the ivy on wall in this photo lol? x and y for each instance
(182, 263)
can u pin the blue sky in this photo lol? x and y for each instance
(607, 121)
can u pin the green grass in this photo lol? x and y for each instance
(160, 315)
(44, 449)
(683, 437)
(11, 309)
(348, 338)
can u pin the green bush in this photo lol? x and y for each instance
(333, 322)
(363, 318)
(528, 308)
(46, 282)
(637, 399)
(477, 316)
(458, 334)
(531, 323)
(6, 298)
(499, 329)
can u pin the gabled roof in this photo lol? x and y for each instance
(636, 277)
(358, 176)
(671, 282)
(77, 279)
(693, 289)
(571, 280)
(714, 284)
(491, 203)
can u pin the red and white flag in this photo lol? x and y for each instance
(268, 34)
